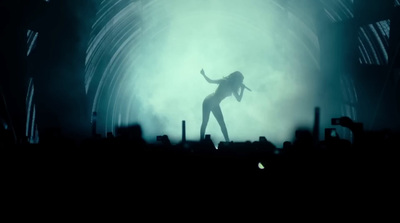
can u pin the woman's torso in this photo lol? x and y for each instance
(223, 90)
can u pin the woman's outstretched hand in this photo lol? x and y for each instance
(202, 72)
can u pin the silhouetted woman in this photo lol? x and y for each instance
(232, 84)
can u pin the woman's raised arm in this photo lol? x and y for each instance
(208, 79)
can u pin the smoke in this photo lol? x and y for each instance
(254, 37)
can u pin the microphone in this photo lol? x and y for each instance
(246, 87)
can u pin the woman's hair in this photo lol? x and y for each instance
(235, 78)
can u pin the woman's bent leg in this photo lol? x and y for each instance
(220, 119)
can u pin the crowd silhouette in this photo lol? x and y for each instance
(369, 154)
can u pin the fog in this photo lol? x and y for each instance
(257, 38)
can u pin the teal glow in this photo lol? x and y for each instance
(158, 48)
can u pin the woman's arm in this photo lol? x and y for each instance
(208, 79)
(240, 95)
